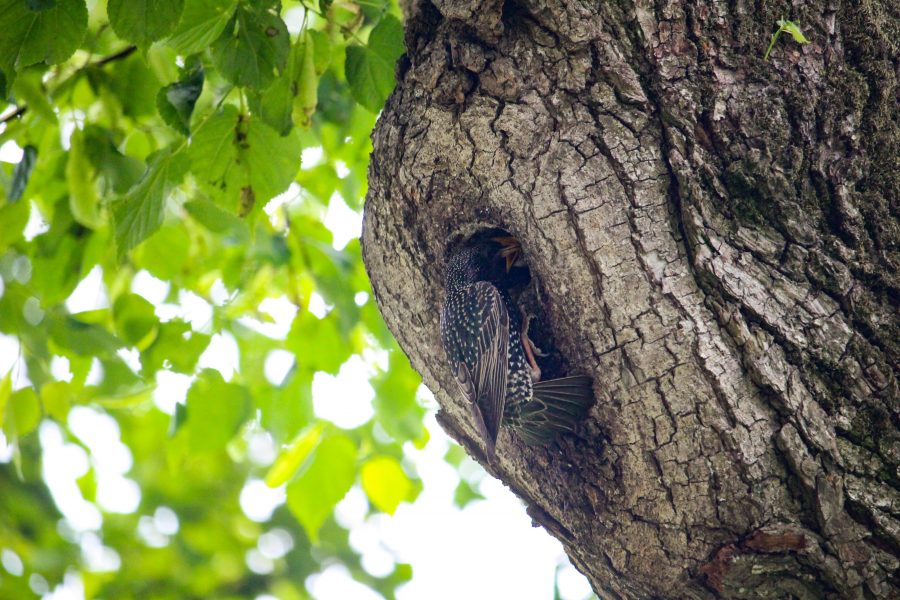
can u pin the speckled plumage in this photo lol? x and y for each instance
(480, 330)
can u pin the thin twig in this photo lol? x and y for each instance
(123, 53)
(14, 114)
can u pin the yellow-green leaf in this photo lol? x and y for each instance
(793, 29)
(57, 397)
(135, 319)
(307, 81)
(5, 391)
(323, 483)
(83, 199)
(293, 457)
(385, 482)
(215, 411)
(26, 410)
(140, 212)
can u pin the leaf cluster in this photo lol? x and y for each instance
(161, 175)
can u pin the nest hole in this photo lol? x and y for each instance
(506, 266)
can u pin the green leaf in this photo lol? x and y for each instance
(87, 485)
(144, 21)
(135, 84)
(317, 343)
(793, 29)
(31, 92)
(5, 393)
(335, 99)
(289, 407)
(370, 68)
(323, 483)
(165, 253)
(179, 418)
(118, 377)
(320, 181)
(215, 219)
(26, 410)
(176, 101)
(306, 79)
(120, 172)
(14, 218)
(323, 50)
(465, 493)
(215, 411)
(31, 36)
(253, 48)
(274, 105)
(395, 401)
(22, 173)
(80, 337)
(202, 22)
(292, 97)
(789, 26)
(56, 269)
(233, 152)
(140, 212)
(271, 160)
(294, 457)
(213, 151)
(57, 397)
(386, 483)
(175, 347)
(83, 199)
(135, 319)
(38, 5)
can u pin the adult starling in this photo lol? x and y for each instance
(481, 330)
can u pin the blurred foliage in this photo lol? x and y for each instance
(154, 136)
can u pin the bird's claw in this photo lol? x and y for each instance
(529, 351)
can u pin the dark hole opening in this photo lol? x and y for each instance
(507, 268)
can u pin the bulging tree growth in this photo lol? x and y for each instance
(712, 232)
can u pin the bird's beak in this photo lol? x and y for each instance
(510, 249)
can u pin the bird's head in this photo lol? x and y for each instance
(484, 258)
(464, 265)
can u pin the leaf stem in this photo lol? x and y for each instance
(775, 37)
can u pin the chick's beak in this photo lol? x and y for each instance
(510, 250)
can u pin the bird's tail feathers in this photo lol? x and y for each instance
(557, 405)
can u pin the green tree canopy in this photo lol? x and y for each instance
(154, 137)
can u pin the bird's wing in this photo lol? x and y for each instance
(467, 387)
(491, 367)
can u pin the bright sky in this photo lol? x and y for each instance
(486, 550)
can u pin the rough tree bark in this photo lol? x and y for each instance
(715, 240)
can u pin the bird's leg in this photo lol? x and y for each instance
(535, 288)
(529, 351)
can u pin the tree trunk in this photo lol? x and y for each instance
(713, 237)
